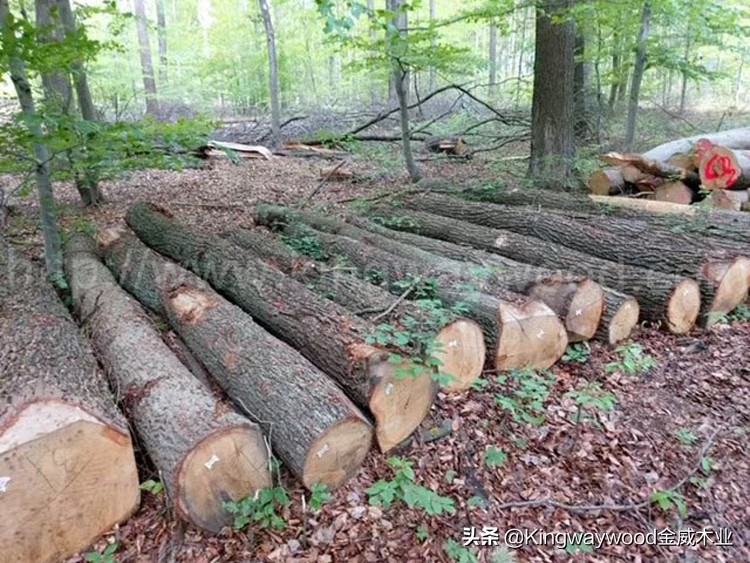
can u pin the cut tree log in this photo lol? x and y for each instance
(720, 269)
(519, 331)
(446, 145)
(206, 454)
(568, 296)
(651, 167)
(723, 169)
(664, 299)
(577, 300)
(621, 313)
(67, 467)
(609, 181)
(312, 426)
(674, 192)
(325, 333)
(462, 350)
(729, 199)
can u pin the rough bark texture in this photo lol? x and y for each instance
(161, 22)
(612, 239)
(325, 333)
(308, 420)
(463, 352)
(519, 332)
(64, 447)
(639, 68)
(552, 112)
(273, 74)
(577, 300)
(179, 421)
(620, 317)
(147, 65)
(662, 297)
(58, 94)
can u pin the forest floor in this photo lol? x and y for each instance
(682, 425)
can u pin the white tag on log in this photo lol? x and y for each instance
(4, 484)
(211, 462)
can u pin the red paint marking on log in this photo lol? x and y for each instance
(702, 147)
(720, 166)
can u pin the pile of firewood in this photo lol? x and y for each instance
(683, 171)
(275, 351)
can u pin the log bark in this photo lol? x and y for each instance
(620, 317)
(723, 168)
(612, 239)
(65, 449)
(462, 350)
(651, 167)
(576, 300)
(181, 424)
(519, 332)
(312, 426)
(664, 299)
(326, 334)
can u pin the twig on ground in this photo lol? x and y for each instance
(397, 302)
(323, 180)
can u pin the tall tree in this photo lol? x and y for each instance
(493, 59)
(161, 23)
(147, 65)
(552, 112)
(273, 67)
(58, 94)
(638, 69)
(11, 61)
(433, 17)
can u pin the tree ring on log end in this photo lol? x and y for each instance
(226, 466)
(624, 321)
(462, 353)
(585, 312)
(731, 279)
(683, 307)
(399, 404)
(78, 470)
(337, 454)
(529, 336)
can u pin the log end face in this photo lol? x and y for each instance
(462, 353)
(61, 491)
(731, 289)
(623, 321)
(226, 466)
(529, 336)
(399, 403)
(336, 455)
(190, 304)
(683, 307)
(108, 237)
(585, 311)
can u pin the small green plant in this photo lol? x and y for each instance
(106, 556)
(740, 314)
(667, 500)
(633, 361)
(404, 488)
(476, 501)
(573, 548)
(686, 437)
(527, 390)
(261, 509)
(494, 457)
(480, 384)
(588, 398)
(458, 553)
(450, 476)
(153, 487)
(319, 495)
(422, 533)
(577, 353)
(309, 245)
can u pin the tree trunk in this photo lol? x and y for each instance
(433, 43)
(576, 300)
(519, 332)
(325, 333)
(462, 352)
(581, 86)
(161, 22)
(179, 421)
(638, 69)
(493, 61)
(88, 185)
(552, 112)
(65, 450)
(58, 94)
(47, 207)
(612, 240)
(273, 72)
(313, 427)
(663, 298)
(616, 69)
(147, 65)
(411, 165)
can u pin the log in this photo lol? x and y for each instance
(462, 350)
(620, 317)
(67, 466)
(647, 206)
(652, 167)
(674, 192)
(664, 299)
(577, 300)
(612, 239)
(326, 334)
(312, 426)
(609, 181)
(723, 168)
(446, 145)
(519, 331)
(180, 423)
(729, 199)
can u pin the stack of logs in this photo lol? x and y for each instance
(275, 351)
(682, 171)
